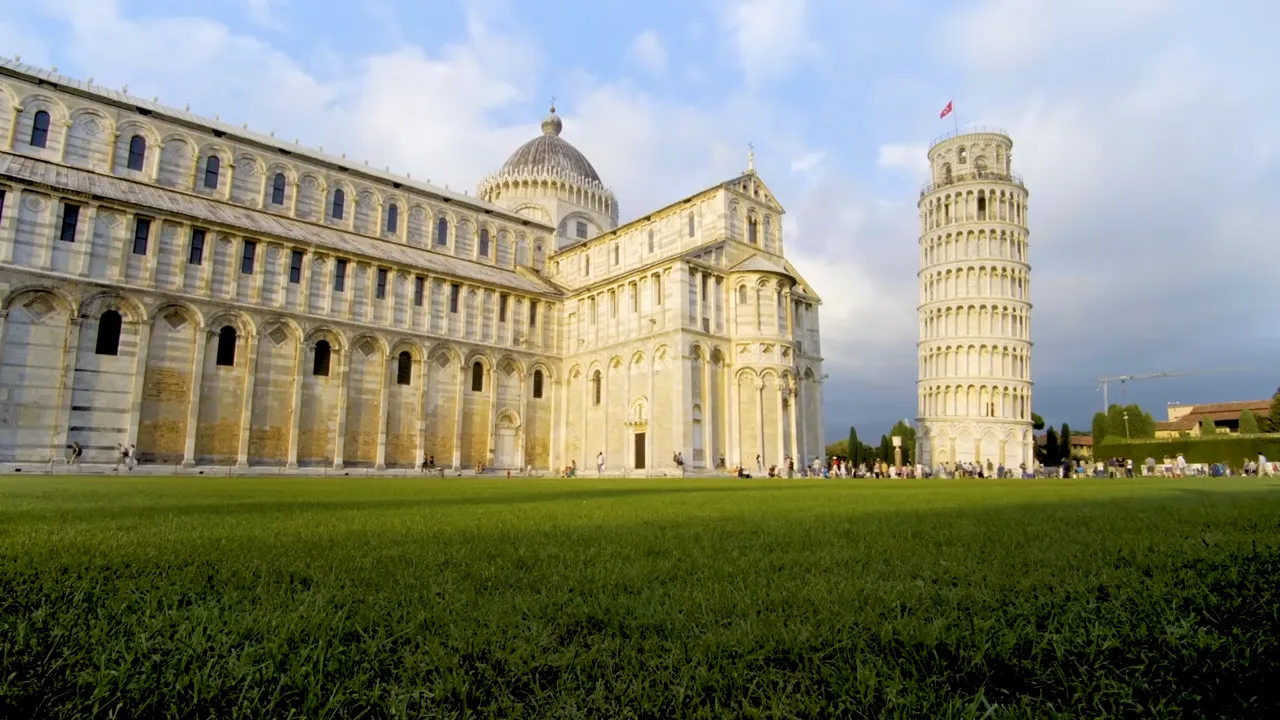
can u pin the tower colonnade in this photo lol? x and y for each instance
(974, 379)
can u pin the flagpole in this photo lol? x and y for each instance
(955, 119)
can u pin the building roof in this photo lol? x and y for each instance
(758, 263)
(32, 73)
(1217, 412)
(257, 222)
(1077, 440)
(550, 154)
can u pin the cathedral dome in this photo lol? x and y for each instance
(549, 153)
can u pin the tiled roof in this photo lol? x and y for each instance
(13, 67)
(256, 222)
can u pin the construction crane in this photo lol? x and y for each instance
(1104, 382)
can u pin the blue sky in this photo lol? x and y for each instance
(1144, 130)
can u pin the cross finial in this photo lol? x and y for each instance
(553, 103)
(751, 157)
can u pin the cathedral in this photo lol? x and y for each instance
(216, 296)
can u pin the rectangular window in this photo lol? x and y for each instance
(141, 234)
(196, 256)
(2, 196)
(657, 289)
(70, 217)
(382, 283)
(295, 267)
(586, 265)
(650, 241)
(691, 229)
(591, 305)
(246, 260)
(582, 230)
(340, 276)
(455, 290)
(533, 313)
(419, 288)
(616, 255)
(502, 307)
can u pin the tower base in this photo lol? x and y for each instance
(1010, 443)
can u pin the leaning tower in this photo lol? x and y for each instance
(974, 387)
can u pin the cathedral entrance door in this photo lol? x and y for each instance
(504, 451)
(640, 453)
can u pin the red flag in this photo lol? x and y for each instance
(945, 111)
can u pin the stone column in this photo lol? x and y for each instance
(555, 452)
(457, 416)
(709, 442)
(339, 442)
(732, 429)
(90, 221)
(650, 423)
(246, 410)
(13, 125)
(782, 424)
(797, 447)
(295, 416)
(586, 406)
(786, 298)
(70, 351)
(193, 406)
(139, 380)
(491, 442)
(383, 410)
(422, 408)
(119, 268)
(522, 432)
(764, 451)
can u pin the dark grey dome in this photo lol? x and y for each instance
(550, 153)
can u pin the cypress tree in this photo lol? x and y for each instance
(1099, 428)
(855, 447)
(1052, 453)
(1207, 428)
(1064, 438)
(1273, 417)
(1248, 423)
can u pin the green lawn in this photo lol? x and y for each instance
(271, 598)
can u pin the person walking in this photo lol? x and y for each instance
(600, 464)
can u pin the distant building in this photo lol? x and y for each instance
(1081, 445)
(1185, 420)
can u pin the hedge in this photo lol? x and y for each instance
(1231, 449)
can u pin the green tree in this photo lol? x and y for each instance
(886, 449)
(1207, 428)
(855, 447)
(1052, 451)
(837, 449)
(1273, 417)
(1064, 439)
(1129, 421)
(1099, 428)
(1248, 423)
(1037, 422)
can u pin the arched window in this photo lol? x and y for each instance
(137, 152)
(742, 294)
(393, 217)
(442, 231)
(751, 230)
(484, 242)
(277, 189)
(321, 365)
(404, 368)
(40, 130)
(477, 377)
(109, 326)
(595, 388)
(962, 156)
(537, 384)
(211, 168)
(339, 202)
(226, 346)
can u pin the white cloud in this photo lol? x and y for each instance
(769, 36)
(265, 12)
(904, 156)
(808, 162)
(647, 52)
